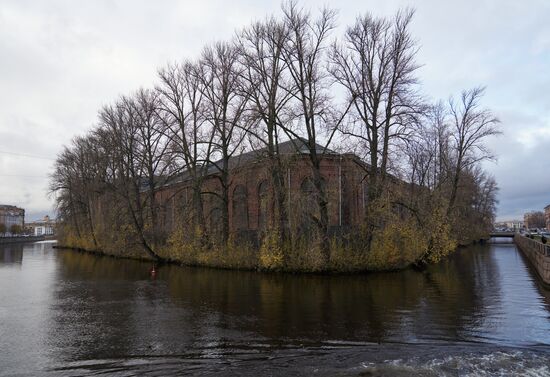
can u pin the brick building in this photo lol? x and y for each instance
(251, 206)
(12, 215)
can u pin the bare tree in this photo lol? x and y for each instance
(61, 185)
(485, 199)
(88, 177)
(135, 143)
(428, 152)
(471, 125)
(153, 157)
(375, 64)
(535, 219)
(78, 180)
(304, 53)
(225, 103)
(262, 46)
(191, 137)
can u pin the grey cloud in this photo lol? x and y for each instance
(61, 60)
(523, 168)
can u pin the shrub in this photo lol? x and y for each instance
(271, 252)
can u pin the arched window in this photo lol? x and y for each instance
(346, 198)
(263, 200)
(215, 223)
(365, 190)
(240, 208)
(308, 204)
(307, 186)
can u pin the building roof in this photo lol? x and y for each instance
(289, 147)
(9, 207)
(11, 210)
(297, 146)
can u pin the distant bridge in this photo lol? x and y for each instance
(502, 234)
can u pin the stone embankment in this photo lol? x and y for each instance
(537, 253)
(4, 240)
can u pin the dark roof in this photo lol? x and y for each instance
(11, 209)
(300, 146)
(289, 147)
(294, 146)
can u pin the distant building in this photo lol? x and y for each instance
(534, 220)
(44, 227)
(12, 215)
(547, 216)
(515, 224)
(510, 224)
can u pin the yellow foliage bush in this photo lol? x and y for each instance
(67, 236)
(183, 245)
(396, 246)
(304, 255)
(186, 246)
(442, 243)
(389, 240)
(271, 252)
(348, 256)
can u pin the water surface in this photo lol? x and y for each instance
(481, 312)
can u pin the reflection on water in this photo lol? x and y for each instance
(11, 254)
(99, 313)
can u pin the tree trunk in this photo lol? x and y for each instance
(323, 208)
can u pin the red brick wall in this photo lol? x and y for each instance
(248, 178)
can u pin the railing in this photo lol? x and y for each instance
(535, 245)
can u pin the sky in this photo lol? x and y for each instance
(61, 60)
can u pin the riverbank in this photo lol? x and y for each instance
(6, 240)
(391, 248)
(538, 255)
(301, 260)
(248, 259)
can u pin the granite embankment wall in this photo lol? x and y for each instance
(537, 253)
(4, 240)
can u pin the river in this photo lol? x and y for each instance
(62, 313)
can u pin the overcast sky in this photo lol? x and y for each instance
(60, 61)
